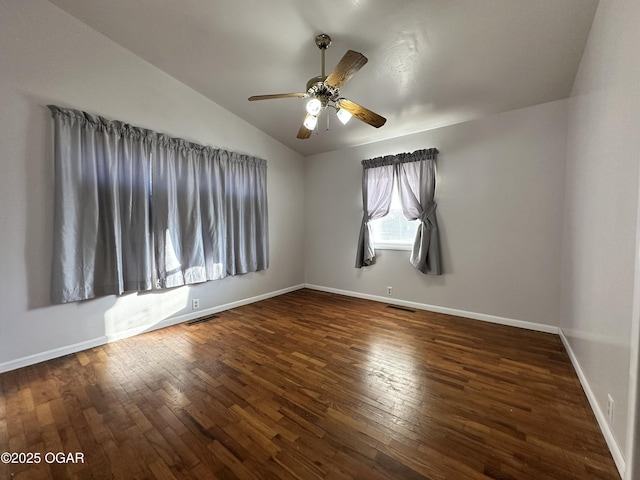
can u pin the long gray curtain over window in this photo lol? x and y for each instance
(415, 174)
(102, 241)
(131, 204)
(210, 214)
(417, 185)
(377, 186)
(246, 215)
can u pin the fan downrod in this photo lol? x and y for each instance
(323, 41)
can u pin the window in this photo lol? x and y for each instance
(394, 231)
(383, 223)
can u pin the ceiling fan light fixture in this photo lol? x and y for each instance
(310, 122)
(314, 106)
(343, 115)
(324, 90)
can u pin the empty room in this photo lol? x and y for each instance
(310, 239)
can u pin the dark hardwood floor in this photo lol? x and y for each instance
(309, 385)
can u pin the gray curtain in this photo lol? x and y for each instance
(102, 242)
(210, 214)
(415, 174)
(246, 213)
(177, 215)
(417, 185)
(377, 186)
(131, 204)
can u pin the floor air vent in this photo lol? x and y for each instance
(398, 307)
(201, 320)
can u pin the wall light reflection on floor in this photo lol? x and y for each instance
(138, 312)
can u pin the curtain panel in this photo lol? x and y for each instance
(102, 238)
(210, 214)
(416, 183)
(416, 174)
(377, 186)
(132, 205)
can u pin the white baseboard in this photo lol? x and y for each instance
(51, 354)
(540, 327)
(614, 448)
(96, 342)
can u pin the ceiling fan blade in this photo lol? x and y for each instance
(277, 95)
(347, 67)
(304, 132)
(361, 113)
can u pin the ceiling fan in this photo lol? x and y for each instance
(324, 91)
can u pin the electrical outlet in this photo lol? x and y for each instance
(195, 304)
(389, 291)
(610, 405)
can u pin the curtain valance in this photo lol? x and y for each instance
(424, 154)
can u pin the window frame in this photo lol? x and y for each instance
(390, 244)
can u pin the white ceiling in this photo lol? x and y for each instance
(431, 62)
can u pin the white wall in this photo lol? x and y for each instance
(601, 209)
(500, 194)
(49, 57)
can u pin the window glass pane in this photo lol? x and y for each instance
(394, 228)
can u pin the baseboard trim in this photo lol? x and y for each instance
(601, 418)
(51, 354)
(96, 342)
(539, 327)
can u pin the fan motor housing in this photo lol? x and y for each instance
(315, 81)
(316, 87)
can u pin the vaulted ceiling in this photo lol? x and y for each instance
(431, 62)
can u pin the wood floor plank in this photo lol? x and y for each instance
(310, 385)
